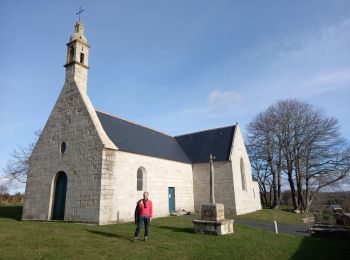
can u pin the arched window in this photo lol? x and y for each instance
(141, 179)
(244, 182)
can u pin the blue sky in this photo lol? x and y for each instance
(176, 66)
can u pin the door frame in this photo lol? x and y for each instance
(173, 199)
(57, 176)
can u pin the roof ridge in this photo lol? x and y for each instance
(127, 120)
(201, 131)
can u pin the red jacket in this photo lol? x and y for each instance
(148, 211)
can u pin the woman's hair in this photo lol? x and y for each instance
(144, 200)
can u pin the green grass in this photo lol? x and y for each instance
(283, 216)
(170, 238)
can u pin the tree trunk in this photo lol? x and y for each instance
(307, 196)
(299, 184)
(289, 163)
(270, 196)
(291, 184)
(263, 193)
(279, 172)
(274, 184)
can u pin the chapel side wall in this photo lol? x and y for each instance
(160, 174)
(82, 162)
(223, 185)
(256, 195)
(246, 200)
(108, 210)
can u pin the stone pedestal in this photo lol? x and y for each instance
(213, 212)
(213, 220)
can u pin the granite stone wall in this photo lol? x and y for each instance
(246, 199)
(70, 121)
(228, 181)
(223, 185)
(159, 174)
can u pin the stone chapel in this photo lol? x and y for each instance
(91, 166)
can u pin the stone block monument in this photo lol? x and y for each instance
(213, 214)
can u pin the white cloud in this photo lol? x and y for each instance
(223, 98)
(219, 108)
(217, 102)
(313, 62)
(330, 79)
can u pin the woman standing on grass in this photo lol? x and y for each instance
(143, 213)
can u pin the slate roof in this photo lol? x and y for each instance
(189, 148)
(134, 138)
(217, 142)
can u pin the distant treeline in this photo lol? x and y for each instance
(323, 200)
(7, 199)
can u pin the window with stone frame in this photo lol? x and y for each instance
(82, 57)
(243, 175)
(141, 179)
(71, 53)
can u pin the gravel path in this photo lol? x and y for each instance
(296, 230)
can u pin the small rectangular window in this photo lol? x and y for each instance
(81, 57)
(71, 54)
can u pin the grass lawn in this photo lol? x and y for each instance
(283, 216)
(170, 238)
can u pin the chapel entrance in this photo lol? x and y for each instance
(59, 196)
(171, 195)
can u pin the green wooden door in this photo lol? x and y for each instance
(171, 194)
(60, 196)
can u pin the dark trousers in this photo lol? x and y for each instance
(139, 225)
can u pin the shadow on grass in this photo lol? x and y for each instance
(177, 229)
(11, 212)
(107, 234)
(323, 248)
(303, 231)
(287, 210)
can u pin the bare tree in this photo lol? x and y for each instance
(265, 149)
(3, 189)
(262, 174)
(16, 169)
(295, 139)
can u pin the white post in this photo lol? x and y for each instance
(276, 228)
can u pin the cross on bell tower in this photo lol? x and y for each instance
(79, 12)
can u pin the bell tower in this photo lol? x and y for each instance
(77, 58)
